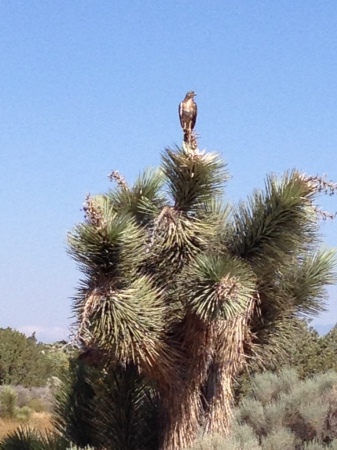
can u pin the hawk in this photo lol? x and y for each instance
(188, 115)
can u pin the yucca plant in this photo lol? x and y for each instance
(183, 291)
(25, 438)
(73, 405)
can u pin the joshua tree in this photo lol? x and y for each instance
(184, 290)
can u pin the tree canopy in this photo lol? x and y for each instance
(24, 361)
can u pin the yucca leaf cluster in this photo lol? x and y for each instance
(187, 290)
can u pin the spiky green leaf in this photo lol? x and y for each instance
(193, 178)
(218, 287)
(275, 224)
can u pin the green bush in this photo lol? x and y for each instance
(315, 445)
(8, 402)
(280, 439)
(37, 398)
(311, 353)
(23, 414)
(36, 405)
(281, 412)
(23, 361)
(268, 386)
(9, 408)
(308, 353)
(282, 408)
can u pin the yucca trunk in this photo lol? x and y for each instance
(182, 402)
(179, 418)
(204, 398)
(229, 359)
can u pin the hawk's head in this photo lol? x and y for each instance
(190, 94)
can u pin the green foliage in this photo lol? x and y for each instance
(73, 411)
(126, 411)
(36, 405)
(96, 409)
(192, 182)
(9, 408)
(23, 414)
(143, 200)
(309, 353)
(23, 439)
(279, 440)
(28, 439)
(243, 438)
(206, 281)
(299, 410)
(37, 398)
(23, 361)
(185, 292)
(282, 412)
(8, 402)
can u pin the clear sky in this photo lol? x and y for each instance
(91, 86)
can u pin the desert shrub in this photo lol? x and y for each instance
(251, 412)
(268, 386)
(291, 411)
(8, 402)
(275, 413)
(327, 381)
(23, 414)
(36, 405)
(23, 360)
(22, 393)
(308, 353)
(309, 406)
(315, 445)
(214, 442)
(241, 438)
(245, 437)
(42, 397)
(44, 394)
(279, 440)
(9, 408)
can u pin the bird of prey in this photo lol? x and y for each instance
(188, 115)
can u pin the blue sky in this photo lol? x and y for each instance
(91, 86)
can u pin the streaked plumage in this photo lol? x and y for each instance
(188, 114)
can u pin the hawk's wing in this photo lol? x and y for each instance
(194, 114)
(181, 113)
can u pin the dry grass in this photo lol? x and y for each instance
(38, 421)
